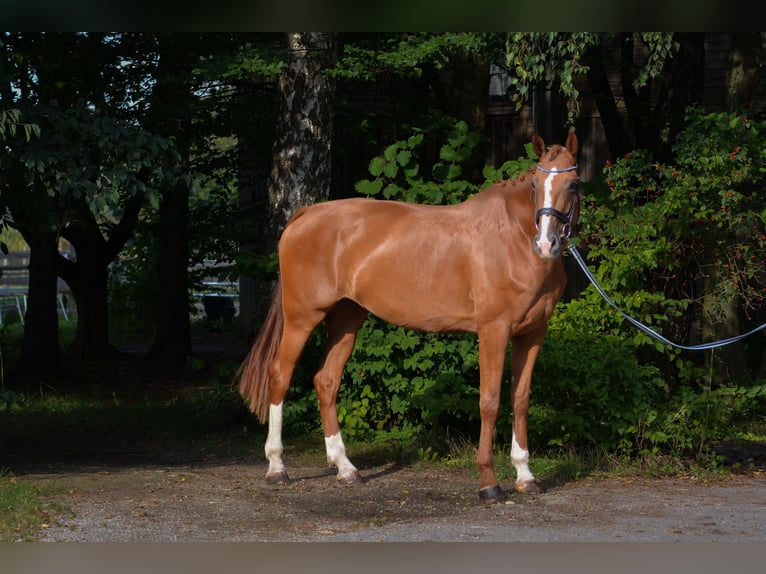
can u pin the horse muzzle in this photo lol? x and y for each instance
(549, 238)
(547, 247)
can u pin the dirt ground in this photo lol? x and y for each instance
(231, 502)
(119, 490)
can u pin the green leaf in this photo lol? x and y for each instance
(412, 170)
(439, 172)
(391, 190)
(454, 171)
(403, 157)
(367, 187)
(448, 153)
(390, 170)
(415, 141)
(376, 166)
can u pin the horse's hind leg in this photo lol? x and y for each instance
(343, 322)
(280, 373)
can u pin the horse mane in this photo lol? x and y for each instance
(520, 179)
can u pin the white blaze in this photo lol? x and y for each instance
(547, 202)
(545, 220)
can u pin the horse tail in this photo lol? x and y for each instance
(253, 373)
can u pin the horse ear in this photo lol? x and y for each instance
(538, 145)
(571, 144)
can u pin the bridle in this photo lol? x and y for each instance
(566, 220)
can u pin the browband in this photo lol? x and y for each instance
(574, 167)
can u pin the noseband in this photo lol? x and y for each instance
(566, 220)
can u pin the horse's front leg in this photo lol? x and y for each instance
(342, 323)
(524, 352)
(492, 347)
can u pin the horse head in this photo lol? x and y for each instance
(556, 193)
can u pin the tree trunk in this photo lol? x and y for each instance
(87, 278)
(301, 167)
(172, 340)
(93, 310)
(637, 102)
(684, 87)
(40, 352)
(171, 116)
(729, 363)
(88, 275)
(655, 127)
(616, 135)
(720, 318)
(744, 63)
(301, 172)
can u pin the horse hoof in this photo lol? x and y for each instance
(278, 478)
(531, 487)
(492, 494)
(350, 477)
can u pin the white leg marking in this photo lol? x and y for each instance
(336, 455)
(273, 445)
(520, 460)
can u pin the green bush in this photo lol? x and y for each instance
(590, 388)
(401, 379)
(662, 238)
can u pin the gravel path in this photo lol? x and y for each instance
(231, 502)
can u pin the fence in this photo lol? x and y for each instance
(14, 286)
(217, 299)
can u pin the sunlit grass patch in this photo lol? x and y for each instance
(25, 508)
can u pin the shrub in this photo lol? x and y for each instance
(664, 238)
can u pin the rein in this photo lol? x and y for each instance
(644, 328)
(566, 220)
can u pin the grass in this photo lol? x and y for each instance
(25, 508)
(552, 467)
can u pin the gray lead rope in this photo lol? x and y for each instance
(646, 329)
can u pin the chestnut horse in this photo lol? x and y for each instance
(490, 265)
